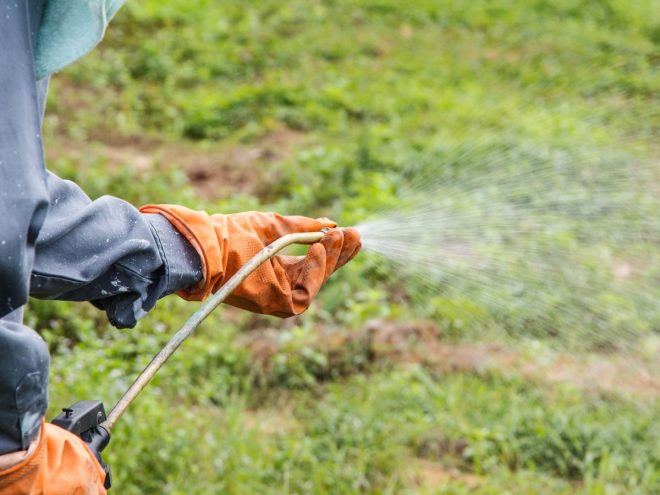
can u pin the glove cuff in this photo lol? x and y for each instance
(199, 230)
(35, 448)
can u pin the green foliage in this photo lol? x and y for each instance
(99, 178)
(501, 422)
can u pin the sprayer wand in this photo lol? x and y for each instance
(87, 418)
(194, 321)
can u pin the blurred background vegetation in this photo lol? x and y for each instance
(330, 108)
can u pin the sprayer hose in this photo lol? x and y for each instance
(194, 321)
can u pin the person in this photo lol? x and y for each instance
(56, 243)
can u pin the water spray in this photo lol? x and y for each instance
(528, 242)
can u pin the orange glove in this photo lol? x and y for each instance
(61, 464)
(284, 285)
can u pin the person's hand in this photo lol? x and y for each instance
(284, 285)
(61, 464)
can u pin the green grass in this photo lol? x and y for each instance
(372, 94)
(206, 426)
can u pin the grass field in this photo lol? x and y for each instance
(330, 108)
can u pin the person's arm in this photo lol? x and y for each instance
(107, 252)
(123, 260)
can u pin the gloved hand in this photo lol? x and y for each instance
(61, 464)
(284, 285)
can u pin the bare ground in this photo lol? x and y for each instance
(617, 374)
(214, 170)
(433, 474)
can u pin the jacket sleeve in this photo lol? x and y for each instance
(107, 252)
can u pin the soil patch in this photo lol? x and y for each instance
(345, 352)
(241, 168)
(431, 474)
(214, 170)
